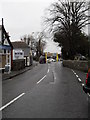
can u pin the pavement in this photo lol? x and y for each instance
(12, 74)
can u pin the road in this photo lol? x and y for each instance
(46, 91)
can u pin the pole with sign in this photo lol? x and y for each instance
(57, 57)
(46, 56)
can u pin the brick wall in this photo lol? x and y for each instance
(18, 64)
(78, 65)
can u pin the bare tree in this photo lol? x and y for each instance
(68, 19)
(36, 42)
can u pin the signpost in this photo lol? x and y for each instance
(46, 56)
(57, 57)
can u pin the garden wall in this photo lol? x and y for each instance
(18, 64)
(78, 65)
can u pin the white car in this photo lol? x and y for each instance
(52, 60)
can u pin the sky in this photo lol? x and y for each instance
(24, 17)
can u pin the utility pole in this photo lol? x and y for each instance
(2, 33)
(89, 39)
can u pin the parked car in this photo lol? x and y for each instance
(42, 59)
(52, 60)
(86, 87)
(48, 61)
(61, 59)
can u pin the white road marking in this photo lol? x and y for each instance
(54, 75)
(11, 101)
(77, 76)
(82, 84)
(73, 71)
(52, 82)
(88, 94)
(48, 71)
(79, 79)
(41, 79)
(9, 79)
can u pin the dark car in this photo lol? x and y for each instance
(42, 59)
(86, 87)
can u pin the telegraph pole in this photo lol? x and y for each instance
(2, 32)
(89, 38)
(89, 60)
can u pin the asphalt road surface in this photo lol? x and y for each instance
(46, 91)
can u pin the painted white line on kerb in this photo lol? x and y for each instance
(88, 94)
(77, 76)
(74, 73)
(82, 84)
(79, 79)
(11, 101)
(41, 79)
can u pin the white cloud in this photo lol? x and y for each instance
(52, 47)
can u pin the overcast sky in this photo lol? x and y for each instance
(24, 17)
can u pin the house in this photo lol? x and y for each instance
(5, 50)
(21, 51)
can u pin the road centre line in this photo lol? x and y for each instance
(48, 71)
(41, 79)
(54, 75)
(12, 101)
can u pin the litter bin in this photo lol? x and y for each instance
(7, 68)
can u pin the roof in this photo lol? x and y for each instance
(19, 44)
(6, 36)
